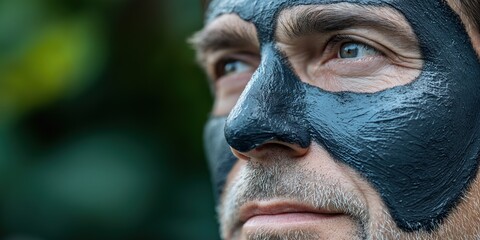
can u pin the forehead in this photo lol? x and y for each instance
(263, 13)
(258, 11)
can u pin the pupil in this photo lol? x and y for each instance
(349, 51)
(230, 67)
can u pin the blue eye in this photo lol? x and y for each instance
(353, 50)
(234, 67)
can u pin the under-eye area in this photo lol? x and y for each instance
(348, 47)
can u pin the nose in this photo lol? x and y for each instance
(270, 113)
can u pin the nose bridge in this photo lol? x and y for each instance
(272, 107)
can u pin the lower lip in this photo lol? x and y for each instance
(280, 220)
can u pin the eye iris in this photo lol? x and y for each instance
(349, 50)
(230, 67)
(356, 50)
(235, 66)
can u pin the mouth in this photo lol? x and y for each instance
(280, 214)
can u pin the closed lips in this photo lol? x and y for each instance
(284, 211)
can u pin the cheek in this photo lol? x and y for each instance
(233, 174)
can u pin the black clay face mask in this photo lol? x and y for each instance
(417, 144)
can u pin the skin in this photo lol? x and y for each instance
(261, 198)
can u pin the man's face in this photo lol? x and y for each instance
(347, 119)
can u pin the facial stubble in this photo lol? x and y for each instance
(288, 180)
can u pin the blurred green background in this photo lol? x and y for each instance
(101, 114)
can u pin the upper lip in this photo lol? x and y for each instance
(253, 209)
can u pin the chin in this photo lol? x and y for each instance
(300, 233)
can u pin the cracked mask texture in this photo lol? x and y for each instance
(417, 144)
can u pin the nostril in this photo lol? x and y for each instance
(293, 150)
(272, 148)
(270, 145)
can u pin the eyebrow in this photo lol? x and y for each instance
(224, 37)
(308, 20)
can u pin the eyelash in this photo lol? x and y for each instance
(333, 45)
(221, 64)
(245, 57)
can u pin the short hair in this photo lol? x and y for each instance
(469, 8)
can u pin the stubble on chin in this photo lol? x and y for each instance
(287, 235)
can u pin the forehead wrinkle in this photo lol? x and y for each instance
(302, 21)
